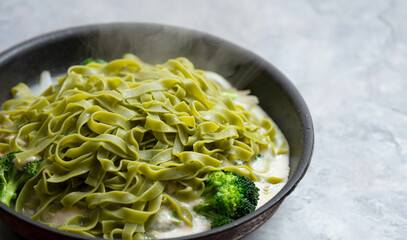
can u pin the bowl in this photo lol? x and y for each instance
(155, 43)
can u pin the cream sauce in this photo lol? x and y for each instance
(45, 82)
(279, 168)
(166, 225)
(19, 165)
(62, 216)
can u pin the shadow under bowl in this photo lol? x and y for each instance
(155, 44)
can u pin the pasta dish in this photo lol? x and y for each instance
(126, 147)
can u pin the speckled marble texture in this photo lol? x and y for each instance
(349, 61)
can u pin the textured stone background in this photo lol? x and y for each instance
(348, 59)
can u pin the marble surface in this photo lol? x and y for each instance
(348, 59)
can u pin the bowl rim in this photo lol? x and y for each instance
(291, 91)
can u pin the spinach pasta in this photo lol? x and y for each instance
(122, 140)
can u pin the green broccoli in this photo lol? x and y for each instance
(12, 179)
(228, 196)
(90, 60)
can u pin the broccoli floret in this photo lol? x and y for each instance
(90, 60)
(228, 196)
(12, 179)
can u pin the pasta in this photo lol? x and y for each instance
(115, 138)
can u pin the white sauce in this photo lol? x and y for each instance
(19, 166)
(278, 168)
(271, 166)
(62, 216)
(45, 82)
(166, 224)
(218, 78)
(11, 137)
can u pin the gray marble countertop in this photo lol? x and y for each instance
(348, 59)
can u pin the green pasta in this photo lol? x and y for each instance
(114, 136)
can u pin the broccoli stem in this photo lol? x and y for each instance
(10, 188)
(2, 179)
(8, 193)
(12, 179)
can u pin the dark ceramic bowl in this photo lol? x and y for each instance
(154, 44)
